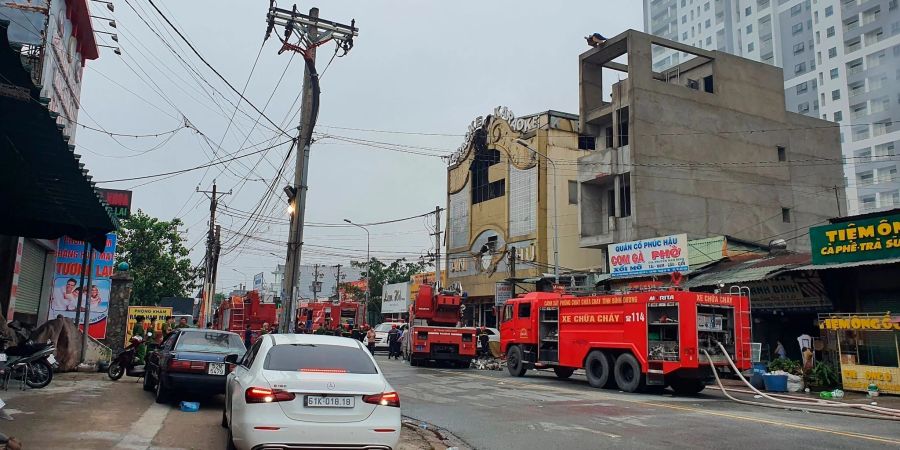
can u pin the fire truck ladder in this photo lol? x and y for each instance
(237, 316)
(746, 332)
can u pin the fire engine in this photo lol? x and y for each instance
(434, 334)
(630, 341)
(330, 315)
(235, 313)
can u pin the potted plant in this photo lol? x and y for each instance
(823, 376)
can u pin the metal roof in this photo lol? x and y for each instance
(746, 269)
(874, 262)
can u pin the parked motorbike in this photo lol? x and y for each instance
(33, 362)
(125, 362)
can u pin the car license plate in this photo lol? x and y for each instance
(216, 369)
(2, 357)
(315, 401)
(50, 359)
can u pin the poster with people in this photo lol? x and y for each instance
(66, 284)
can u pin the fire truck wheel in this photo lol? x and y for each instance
(514, 361)
(628, 373)
(413, 361)
(563, 372)
(687, 386)
(596, 367)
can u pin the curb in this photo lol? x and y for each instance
(438, 438)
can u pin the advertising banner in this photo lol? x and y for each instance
(502, 292)
(665, 254)
(395, 298)
(258, 282)
(64, 296)
(149, 312)
(859, 240)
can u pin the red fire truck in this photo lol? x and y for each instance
(314, 315)
(433, 332)
(235, 313)
(627, 340)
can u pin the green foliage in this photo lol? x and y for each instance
(786, 365)
(824, 375)
(158, 258)
(381, 274)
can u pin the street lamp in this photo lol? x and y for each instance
(113, 36)
(116, 50)
(555, 209)
(368, 259)
(112, 22)
(109, 5)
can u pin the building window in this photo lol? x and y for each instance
(802, 87)
(611, 203)
(829, 32)
(573, 192)
(803, 108)
(750, 47)
(684, 36)
(683, 19)
(587, 143)
(832, 52)
(799, 47)
(786, 215)
(838, 116)
(706, 6)
(748, 11)
(796, 9)
(797, 28)
(709, 40)
(836, 94)
(482, 188)
(750, 28)
(829, 11)
(625, 191)
(800, 68)
(708, 23)
(609, 137)
(708, 84)
(782, 153)
(834, 73)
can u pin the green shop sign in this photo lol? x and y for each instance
(857, 240)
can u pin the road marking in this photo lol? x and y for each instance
(140, 435)
(622, 398)
(867, 437)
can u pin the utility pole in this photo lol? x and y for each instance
(306, 28)
(315, 283)
(437, 247)
(337, 283)
(213, 247)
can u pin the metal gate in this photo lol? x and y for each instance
(31, 278)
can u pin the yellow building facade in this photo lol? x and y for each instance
(500, 199)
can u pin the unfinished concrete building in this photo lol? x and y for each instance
(705, 148)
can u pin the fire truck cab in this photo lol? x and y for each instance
(314, 315)
(629, 341)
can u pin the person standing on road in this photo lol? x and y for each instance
(779, 350)
(370, 340)
(485, 340)
(394, 343)
(248, 336)
(139, 331)
(167, 327)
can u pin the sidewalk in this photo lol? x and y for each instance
(884, 400)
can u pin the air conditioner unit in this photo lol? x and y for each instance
(693, 84)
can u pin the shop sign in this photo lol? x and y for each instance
(860, 323)
(502, 293)
(395, 298)
(858, 240)
(258, 282)
(118, 201)
(518, 124)
(794, 293)
(64, 296)
(858, 378)
(666, 254)
(149, 312)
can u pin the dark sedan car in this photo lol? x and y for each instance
(191, 361)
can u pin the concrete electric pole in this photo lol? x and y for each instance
(306, 28)
(213, 247)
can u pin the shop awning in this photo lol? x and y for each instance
(46, 192)
(742, 270)
(874, 262)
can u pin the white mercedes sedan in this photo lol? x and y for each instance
(304, 391)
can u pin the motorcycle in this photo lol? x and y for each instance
(32, 362)
(125, 362)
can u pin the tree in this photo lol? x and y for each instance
(158, 258)
(381, 274)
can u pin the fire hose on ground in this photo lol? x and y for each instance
(880, 413)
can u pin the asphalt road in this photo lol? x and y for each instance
(491, 410)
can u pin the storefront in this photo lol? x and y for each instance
(867, 348)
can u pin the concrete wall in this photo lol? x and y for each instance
(119, 296)
(707, 163)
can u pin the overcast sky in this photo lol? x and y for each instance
(421, 67)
